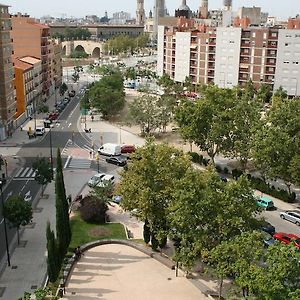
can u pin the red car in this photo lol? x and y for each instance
(127, 149)
(53, 116)
(287, 238)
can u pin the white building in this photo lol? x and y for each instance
(228, 46)
(287, 73)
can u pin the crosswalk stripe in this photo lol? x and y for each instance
(25, 171)
(30, 173)
(19, 172)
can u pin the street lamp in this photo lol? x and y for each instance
(34, 108)
(55, 96)
(51, 156)
(5, 229)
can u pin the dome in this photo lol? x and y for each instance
(183, 6)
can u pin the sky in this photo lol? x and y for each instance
(282, 9)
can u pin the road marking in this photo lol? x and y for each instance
(1, 221)
(19, 172)
(69, 125)
(25, 171)
(31, 173)
(62, 127)
(67, 161)
(22, 179)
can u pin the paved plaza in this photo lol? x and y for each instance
(114, 272)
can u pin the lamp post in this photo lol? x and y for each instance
(51, 156)
(34, 108)
(55, 96)
(98, 165)
(5, 229)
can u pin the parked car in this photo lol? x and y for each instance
(291, 215)
(287, 238)
(39, 131)
(265, 203)
(106, 179)
(268, 228)
(268, 239)
(117, 199)
(53, 116)
(95, 179)
(110, 149)
(72, 93)
(117, 160)
(127, 148)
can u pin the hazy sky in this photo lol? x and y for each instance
(36, 8)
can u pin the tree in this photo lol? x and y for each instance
(107, 94)
(53, 265)
(148, 183)
(188, 84)
(63, 228)
(206, 211)
(238, 258)
(146, 232)
(63, 88)
(93, 209)
(44, 172)
(18, 212)
(75, 77)
(281, 127)
(245, 121)
(206, 122)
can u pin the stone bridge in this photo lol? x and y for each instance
(92, 48)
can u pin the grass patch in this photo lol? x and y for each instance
(83, 232)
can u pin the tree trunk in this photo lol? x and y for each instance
(42, 190)
(221, 287)
(18, 235)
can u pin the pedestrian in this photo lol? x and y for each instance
(91, 154)
(92, 117)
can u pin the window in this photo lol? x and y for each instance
(253, 34)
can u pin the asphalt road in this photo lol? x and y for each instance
(64, 129)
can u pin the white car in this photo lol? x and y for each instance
(27, 197)
(95, 179)
(40, 131)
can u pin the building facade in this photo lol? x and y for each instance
(7, 92)
(231, 56)
(33, 39)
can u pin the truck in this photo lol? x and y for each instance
(110, 149)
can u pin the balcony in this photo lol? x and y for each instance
(245, 44)
(271, 37)
(246, 35)
(271, 54)
(211, 57)
(211, 65)
(272, 45)
(244, 70)
(245, 60)
(271, 63)
(211, 73)
(245, 53)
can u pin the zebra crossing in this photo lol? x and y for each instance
(25, 173)
(77, 163)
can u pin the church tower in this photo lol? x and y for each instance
(140, 13)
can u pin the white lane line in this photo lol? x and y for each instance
(62, 127)
(22, 179)
(67, 161)
(19, 172)
(1, 221)
(69, 125)
(25, 171)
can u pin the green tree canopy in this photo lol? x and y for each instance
(18, 212)
(44, 172)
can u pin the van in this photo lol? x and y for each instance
(39, 131)
(110, 149)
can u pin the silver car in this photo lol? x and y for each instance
(292, 216)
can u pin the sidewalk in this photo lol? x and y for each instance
(19, 136)
(29, 260)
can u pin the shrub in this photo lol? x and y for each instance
(218, 168)
(93, 210)
(154, 242)
(225, 170)
(236, 173)
(43, 108)
(194, 156)
(205, 161)
(146, 232)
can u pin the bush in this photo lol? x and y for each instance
(43, 108)
(194, 156)
(154, 243)
(259, 184)
(236, 173)
(218, 168)
(205, 161)
(93, 210)
(225, 170)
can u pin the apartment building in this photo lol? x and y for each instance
(32, 39)
(29, 85)
(287, 72)
(56, 65)
(229, 56)
(7, 95)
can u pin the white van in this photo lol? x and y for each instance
(40, 131)
(95, 179)
(110, 149)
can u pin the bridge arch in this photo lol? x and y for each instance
(96, 52)
(79, 48)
